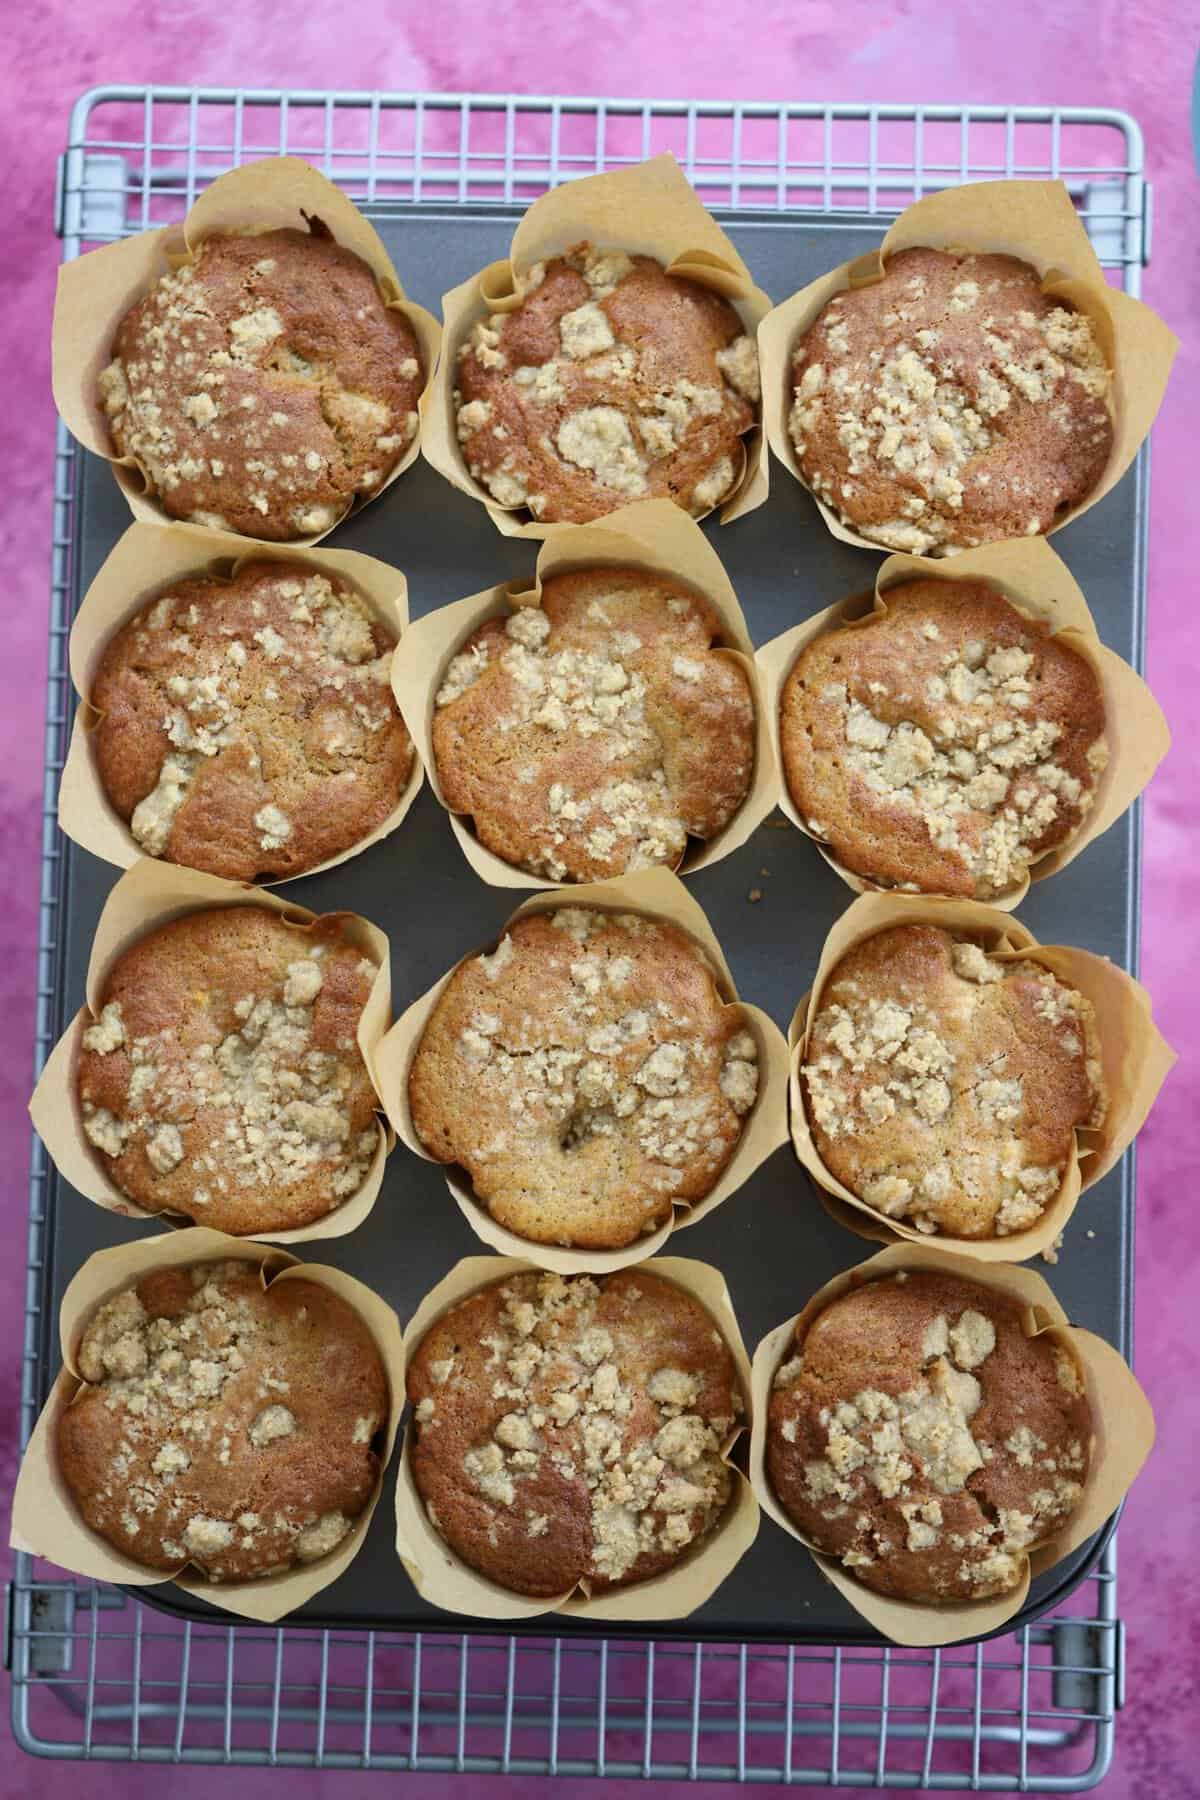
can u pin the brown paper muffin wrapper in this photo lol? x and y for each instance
(1122, 1420)
(1036, 580)
(97, 290)
(45, 1521)
(1037, 222)
(144, 564)
(1134, 1055)
(654, 535)
(148, 895)
(441, 1577)
(649, 209)
(659, 895)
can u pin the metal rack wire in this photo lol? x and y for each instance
(97, 1674)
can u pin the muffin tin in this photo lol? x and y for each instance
(771, 904)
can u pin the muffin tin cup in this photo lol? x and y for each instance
(658, 895)
(654, 535)
(45, 1521)
(1122, 1420)
(1030, 574)
(649, 209)
(146, 896)
(1134, 1055)
(144, 565)
(97, 290)
(442, 1578)
(1036, 222)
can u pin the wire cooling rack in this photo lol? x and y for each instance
(97, 1674)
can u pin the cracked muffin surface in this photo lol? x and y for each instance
(222, 1426)
(944, 1087)
(944, 744)
(586, 1074)
(264, 384)
(248, 726)
(597, 732)
(952, 403)
(611, 381)
(569, 1430)
(918, 1435)
(222, 1077)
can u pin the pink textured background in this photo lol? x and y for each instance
(1136, 55)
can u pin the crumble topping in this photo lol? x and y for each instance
(248, 410)
(940, 406)
(919, 1459)
(648, 1462)
(930, 1101)
(172, 1380)
(597, 732)
(239, 714)
(250, 1111)
(630, 414)
(597, 1084)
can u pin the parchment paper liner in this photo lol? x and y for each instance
(145, 562)
(1122, 1420)
(649, 209)
(45, 1521)
(97, 290)
(1033, 220)
(1133, 1053)
(1034, 577)
(655, 535)
(442, 1578)
(148, 895)
(660, 895)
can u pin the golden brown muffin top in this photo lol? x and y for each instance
(585, 1074)
(223, 1079)
(951, 403)
(917, 1434)
(248, 726)
(946, 744)
(224, 1426)
(612, 381)
(569, 1431)
(598, 732)
(945, 1087)
(264, 384)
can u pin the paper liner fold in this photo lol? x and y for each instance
(1030, 574)
(146, 896)
(1123, 1434)
(654, 535)
(146, 561)
(659, 895)
(648, 209)
(45, 1521)
(443, 1579)
(1035, 221)
(96, 291)
(1136, 1060)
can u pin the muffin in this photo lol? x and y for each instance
(247, 727)
(264, 384)
(222, 1078)
(598, 732)
(917, 1434)
(951, 403)
(569, 1431)
(945, 1087)
(586, 1074)
(946, 744)
(611, 381)
(223, 1425)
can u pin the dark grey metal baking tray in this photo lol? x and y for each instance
(773, 1241)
